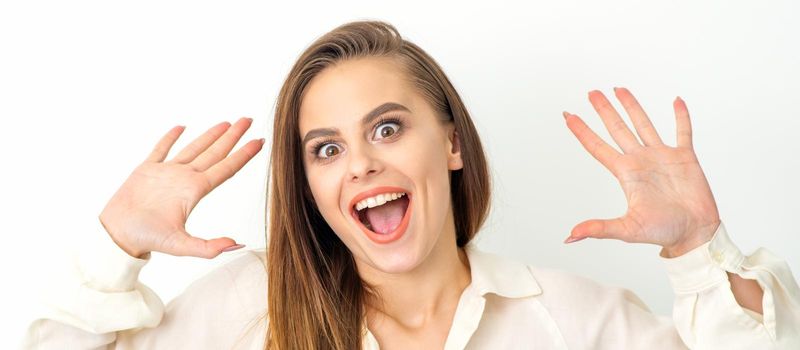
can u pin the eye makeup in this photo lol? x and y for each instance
(317, 145)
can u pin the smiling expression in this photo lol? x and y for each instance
(366, 131)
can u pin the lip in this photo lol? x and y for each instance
(381, 238)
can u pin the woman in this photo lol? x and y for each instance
(378, 185)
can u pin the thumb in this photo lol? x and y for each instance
(597, 228)
(188, 245)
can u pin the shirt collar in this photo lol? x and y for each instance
(490, 274)
(494, 274)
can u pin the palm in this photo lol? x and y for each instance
(669, 200)
(150, 210)
(165, 194)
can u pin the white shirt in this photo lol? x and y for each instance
(508, 305)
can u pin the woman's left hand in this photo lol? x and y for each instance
(669, 201)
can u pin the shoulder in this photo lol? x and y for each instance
(239, 283)
(600, 313)
(578, 305)
(562, 289)
(246, 267)
(570, 285)
(493, 273)
(227, 306)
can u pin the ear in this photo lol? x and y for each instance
(454, 161)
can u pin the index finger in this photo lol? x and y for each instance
(598, 148)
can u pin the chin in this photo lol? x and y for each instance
(396, 261)
(405, 256)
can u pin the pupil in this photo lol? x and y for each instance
(330, 151)
(387, 132)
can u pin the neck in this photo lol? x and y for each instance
(429, 292)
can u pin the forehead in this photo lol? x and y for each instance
(343, 93)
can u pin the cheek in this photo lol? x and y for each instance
(425, 161)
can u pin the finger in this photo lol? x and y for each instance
(200, 144)
(616, 126)
(598, 148)
(223, 170)
(597, 228)
(644, 128)
(202, 248)
(683, 123)
(163, 146)
(222, 146)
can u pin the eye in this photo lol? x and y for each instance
(328, 150)
(386, 129)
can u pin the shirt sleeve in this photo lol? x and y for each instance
(93, 297)
(705, 310)
(101, 304)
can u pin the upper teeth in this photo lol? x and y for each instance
(380, 199)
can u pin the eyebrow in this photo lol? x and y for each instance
(365, 120)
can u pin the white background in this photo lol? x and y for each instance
(86, 89)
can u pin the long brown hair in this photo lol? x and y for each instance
(315, 295)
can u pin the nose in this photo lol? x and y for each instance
(362, 163)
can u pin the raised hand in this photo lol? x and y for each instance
(149, 211)
(669, 200)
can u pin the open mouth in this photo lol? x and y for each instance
(384, 217)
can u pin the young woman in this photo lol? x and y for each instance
(378, 185)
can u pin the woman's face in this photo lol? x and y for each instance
(366, 131)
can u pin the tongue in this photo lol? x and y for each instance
(385, 218)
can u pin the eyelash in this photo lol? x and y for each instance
(317, 146)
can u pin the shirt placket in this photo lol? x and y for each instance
(466, 319)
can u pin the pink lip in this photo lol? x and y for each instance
(375, 237)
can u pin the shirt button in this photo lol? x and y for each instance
(718, 257)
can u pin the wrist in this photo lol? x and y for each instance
(132, 252)
(693, 240)
(679, 249)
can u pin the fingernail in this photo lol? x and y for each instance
(233, 247)
(565, 113)
(262, 140)
(571, 239)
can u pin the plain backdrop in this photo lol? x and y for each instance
(87, 88)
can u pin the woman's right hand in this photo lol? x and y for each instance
(149, 211)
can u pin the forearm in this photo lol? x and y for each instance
(747, 292)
